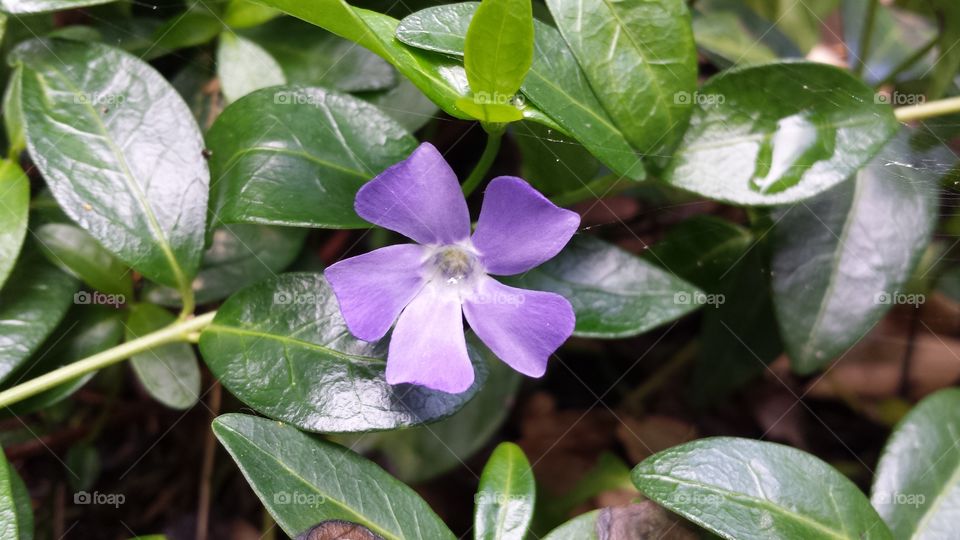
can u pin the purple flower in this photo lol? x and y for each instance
(427, 287)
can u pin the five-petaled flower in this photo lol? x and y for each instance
(428, 287)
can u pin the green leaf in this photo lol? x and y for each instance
(32, 302)
(282, 347)
(552, 163)
(895, 38)
(303, 480)
(244, 14)
(841, 260)
(243, 67)
(12, 115)
(554, 83)
(724, 35)
(948, 56)
(745, 489)
(639, 57)
(582, 527)
(83, 462)
(701, 250)
(16, 513)
(311, 56)
(917, 484)
(80, 255)
(614, 293)
(189, 29)
(239, 256)
(739, 337)
(505, 497)
(498, 51)
(169, 373)
(20, 7)
(14, 210)
(444, 81)
(120, 151)
(406, 104)
(422, 453)
(778, 133)
(85, 331)
(297, 156)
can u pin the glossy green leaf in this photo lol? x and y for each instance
(32, 302)
(85, 331)
(422, 453)
(498, 52)
(916, 489)
(634, 521)
(239, 256)
(297, 156)
(554, 83)
(79, 254)
(582, 527)
(120, 151)
(614, 294)
(243, 67)
(551, 162)
(841, 260)
(14, 209)
(739, 336)
(303, 480)
(83, 463)
(640, 59)
(12, 115)
(245, 13)
(722, 34)
(443, 80)
(746, 489)
(282, 347)
(169, 373)
(310, 56)
(702, 250)
(779, 133)
(20, 7)
(405, 103)
(16, 513)
(505, 497)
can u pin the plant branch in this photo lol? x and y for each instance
(865, 36)
(176, 332)
(923, 111)
(494, 137)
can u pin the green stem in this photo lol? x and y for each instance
(176, 332)
(866, 35)
(494, 137)
(908, 63)
(923, 111)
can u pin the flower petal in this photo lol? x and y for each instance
(519, 228)
(523, 328)
(428, 347)
(419, 198)
(374, 287)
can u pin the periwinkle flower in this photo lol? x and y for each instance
(428, 287)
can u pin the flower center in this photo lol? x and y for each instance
(454, 265)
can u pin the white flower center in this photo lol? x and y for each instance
(454, 265)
